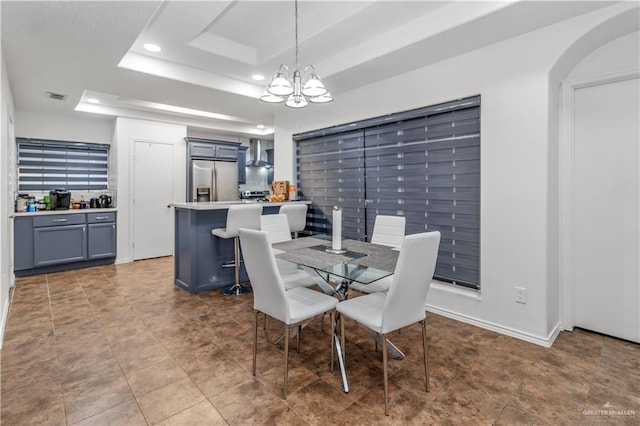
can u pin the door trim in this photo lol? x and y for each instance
(567, 186)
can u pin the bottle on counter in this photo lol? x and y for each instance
(292, 192)
(31, 207)
(83, 203)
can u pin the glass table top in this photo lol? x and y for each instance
(362, 262)
(355, 273)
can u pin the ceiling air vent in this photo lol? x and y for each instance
(56, 96)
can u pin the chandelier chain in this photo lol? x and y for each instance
(296, 19)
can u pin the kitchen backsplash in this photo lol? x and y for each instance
(76, 197)
(257, 179)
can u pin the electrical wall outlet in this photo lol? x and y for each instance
(521, 295)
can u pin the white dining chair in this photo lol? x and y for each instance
(277, 228)
(297, 215)
(387, 231)
(292, 307)
(404, 304)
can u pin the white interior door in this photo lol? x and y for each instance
(607, 209)
(153, 178)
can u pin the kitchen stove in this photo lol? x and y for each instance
(255, 195)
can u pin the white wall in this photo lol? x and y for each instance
(516, 200)
(126, 131)
(7, 118)
(89, 128)
(620, 54)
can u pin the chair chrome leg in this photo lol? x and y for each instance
(333, 332)
(236, 289)
(424, 348)
(286, 358)
(385, 373)
(341, 319)
(255, 339)
(236, 256)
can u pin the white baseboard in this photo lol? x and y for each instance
(511, 332)
(4, 319)
(121, 261)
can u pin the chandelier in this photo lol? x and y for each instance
(296, 89)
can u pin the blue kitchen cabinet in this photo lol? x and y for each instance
(212, 150)
(102, 235)
(46, 243)
(242, 161)
(59, 244)
(59, 239)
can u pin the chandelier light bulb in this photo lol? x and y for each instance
(270, 98)
(296, 101)
(280, 85)
(322, 99)
(313, 87)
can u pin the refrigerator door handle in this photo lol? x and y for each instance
(214, 185)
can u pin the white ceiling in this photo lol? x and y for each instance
(210, 50)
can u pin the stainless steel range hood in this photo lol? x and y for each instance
(257, 155)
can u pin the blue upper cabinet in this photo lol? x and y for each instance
(242, 160)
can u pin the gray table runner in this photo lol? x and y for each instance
(304, 251)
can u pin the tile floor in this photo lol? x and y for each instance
(121, 345)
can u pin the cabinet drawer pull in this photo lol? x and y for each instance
(102, 217)
(59, 220)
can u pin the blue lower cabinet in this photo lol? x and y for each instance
(102, 240)
(102, 235)
(52, 243)
(59, 244)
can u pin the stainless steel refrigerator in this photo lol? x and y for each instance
(213, 180)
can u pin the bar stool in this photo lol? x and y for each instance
(296, 215)
(238, 216)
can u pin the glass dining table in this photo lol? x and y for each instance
(361, 262)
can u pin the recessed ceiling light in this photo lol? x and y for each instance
(258, 77)
(152, 47)
(260, 126)
(93, 100)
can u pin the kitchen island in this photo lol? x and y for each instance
(198, 255)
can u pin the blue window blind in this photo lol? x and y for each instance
(44, 165)
(422, 164)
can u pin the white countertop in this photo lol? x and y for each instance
(220, 205)
(69, 211)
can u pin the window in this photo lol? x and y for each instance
(423, 164)
(44, 165)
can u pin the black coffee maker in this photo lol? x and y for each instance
(60, 199)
